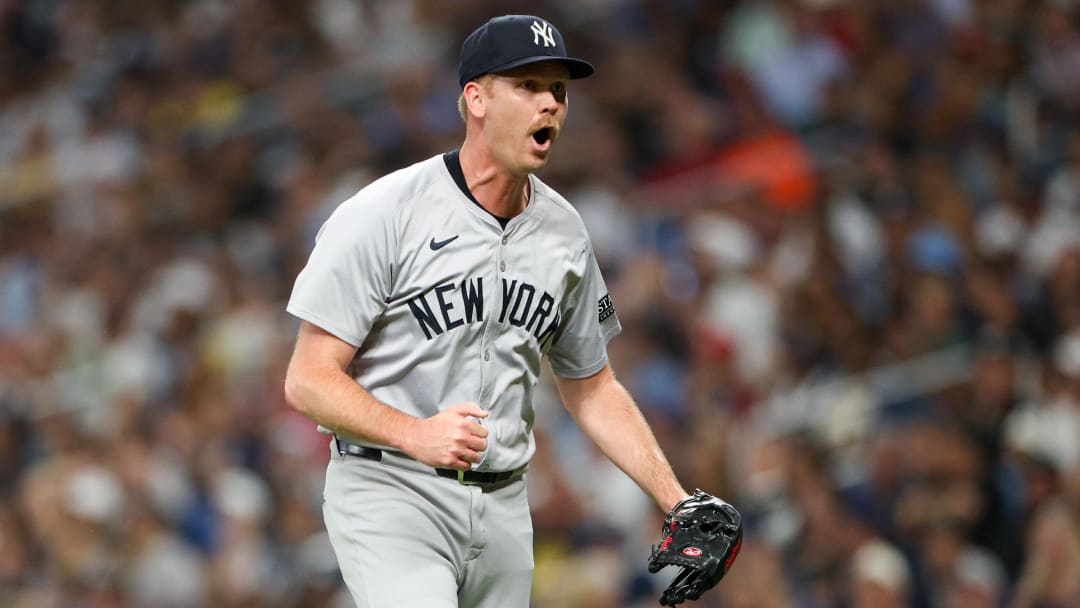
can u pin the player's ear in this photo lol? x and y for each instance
(475, 98)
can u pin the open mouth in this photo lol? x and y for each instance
(542, 136)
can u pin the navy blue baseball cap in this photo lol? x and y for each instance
(510, 41)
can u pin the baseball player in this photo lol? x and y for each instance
(441, 286)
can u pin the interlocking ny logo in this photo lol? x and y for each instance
(541, 29)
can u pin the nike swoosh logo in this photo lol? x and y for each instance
(437, 245)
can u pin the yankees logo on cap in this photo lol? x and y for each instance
(510, 41)
(543, 29)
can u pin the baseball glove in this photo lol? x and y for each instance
(702, 535)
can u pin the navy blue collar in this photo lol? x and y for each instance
(453, 165)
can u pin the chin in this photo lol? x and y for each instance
(534, 167)
(535, 162)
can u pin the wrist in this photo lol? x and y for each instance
(405, 433)
(672, 498)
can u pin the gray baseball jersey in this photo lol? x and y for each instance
(445, 305)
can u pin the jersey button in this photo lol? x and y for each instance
(502, 266)
(487, 355)
(506, 239)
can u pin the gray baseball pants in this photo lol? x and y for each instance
(407, 538)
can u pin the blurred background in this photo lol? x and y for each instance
(843, 238)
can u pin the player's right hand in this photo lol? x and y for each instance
(451, 439)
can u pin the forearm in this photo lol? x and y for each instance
(332, 399)
(611, 419)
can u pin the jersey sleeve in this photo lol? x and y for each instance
(580, 349)
(347, 280)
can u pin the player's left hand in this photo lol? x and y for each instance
(702, 536)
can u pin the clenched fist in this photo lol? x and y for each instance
(451, 439)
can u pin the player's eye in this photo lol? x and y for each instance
(559, 91)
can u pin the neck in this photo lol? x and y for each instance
(501, 192)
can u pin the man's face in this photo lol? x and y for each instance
(525, 112)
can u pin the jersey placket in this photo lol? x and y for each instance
(488, 339)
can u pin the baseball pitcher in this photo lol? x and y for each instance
(440, 287)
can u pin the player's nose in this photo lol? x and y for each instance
(549, 102)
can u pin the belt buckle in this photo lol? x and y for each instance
(461, 479)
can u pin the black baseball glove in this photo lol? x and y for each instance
(702, 535)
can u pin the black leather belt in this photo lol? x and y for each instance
(351, 449)
(346, 448)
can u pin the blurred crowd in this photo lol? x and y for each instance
(842, 236)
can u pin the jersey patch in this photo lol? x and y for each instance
(606, 307)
